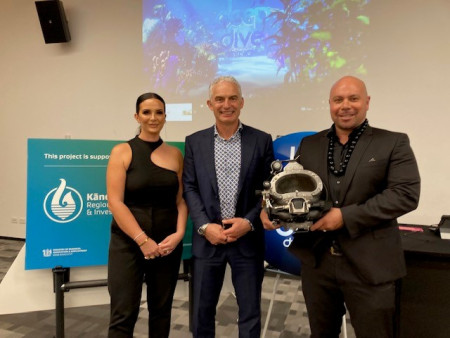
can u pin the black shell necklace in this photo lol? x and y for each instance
(353, 139)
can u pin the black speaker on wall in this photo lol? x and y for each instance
(53, 21)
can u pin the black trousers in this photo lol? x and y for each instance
(335, 282)
(127, 270)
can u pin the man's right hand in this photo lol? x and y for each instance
(214, 234)
(266, 222)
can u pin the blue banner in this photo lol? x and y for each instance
(68, 220)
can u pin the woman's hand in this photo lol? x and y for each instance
(169, 244)
(149, 248)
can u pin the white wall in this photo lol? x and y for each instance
(87, 89)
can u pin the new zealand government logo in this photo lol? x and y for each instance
(63, 204)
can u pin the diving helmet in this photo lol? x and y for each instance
(294, 197)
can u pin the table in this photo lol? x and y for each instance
(425, 291)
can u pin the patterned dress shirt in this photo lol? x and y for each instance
(227, 158)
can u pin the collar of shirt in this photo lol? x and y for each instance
(216, 133)
(332, 131)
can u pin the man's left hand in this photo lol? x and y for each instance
(331, 221)
(236, 228)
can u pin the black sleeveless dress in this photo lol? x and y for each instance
(150, 194)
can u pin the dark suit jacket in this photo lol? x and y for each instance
(381, 183)
(201, 190)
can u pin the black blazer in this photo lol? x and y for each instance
(201, 190)
(381, 183)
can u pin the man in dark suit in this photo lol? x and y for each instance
(353, 254)
(224, 166)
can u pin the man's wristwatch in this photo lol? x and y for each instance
(202, 229)
(252, 228)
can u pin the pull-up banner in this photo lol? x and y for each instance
(67, 208)
(68, 220)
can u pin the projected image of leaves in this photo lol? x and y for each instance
(266, 44)
(315, 37)
(172, 61)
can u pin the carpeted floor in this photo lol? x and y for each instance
(288, 316)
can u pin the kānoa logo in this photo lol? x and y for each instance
(63, 204)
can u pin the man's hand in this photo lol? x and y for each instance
(215, 234)
(266, 222)
(331, 221)
(236, 228)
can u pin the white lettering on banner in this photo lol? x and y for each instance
(62, 251)
(51, 156)
(102, 212)
(70, 157)
(98, 207)
(98, 157)
(96, 197)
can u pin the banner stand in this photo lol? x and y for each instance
(61, 284)
(60, 277)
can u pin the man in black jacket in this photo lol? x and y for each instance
(353, 254)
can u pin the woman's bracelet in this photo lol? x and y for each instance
(135, 238)
(145, 241)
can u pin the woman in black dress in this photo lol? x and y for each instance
(149, 219)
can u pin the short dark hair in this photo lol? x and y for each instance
(147, 96)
